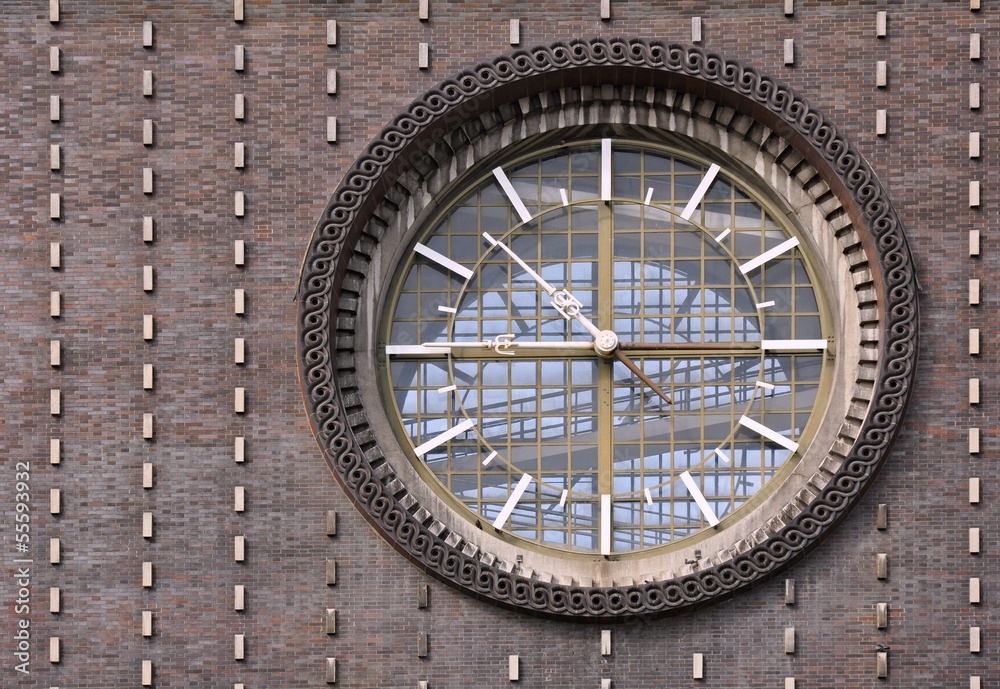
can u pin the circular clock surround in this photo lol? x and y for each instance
(632, 88)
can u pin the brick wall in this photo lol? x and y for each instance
(291, 170)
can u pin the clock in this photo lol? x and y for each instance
(633, 361)
(607, 328)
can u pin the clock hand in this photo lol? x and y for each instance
(605, 341)
(631, 365)
(502, 343)
(562, 299)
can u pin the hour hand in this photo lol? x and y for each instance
(634, 368)
(503, 344)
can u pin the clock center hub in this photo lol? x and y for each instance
(606, 343)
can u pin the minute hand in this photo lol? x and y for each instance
(562, 300)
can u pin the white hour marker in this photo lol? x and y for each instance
(649, 497)
(436, 350)
(786, 245)
(511, 503)
(722, 455)
(649, 196)
(700, 192)
(447, 309)
(442, 438)
(765, 386)
(762, 305)
(722, 235)
(489, 458)
(565, 199)
(443, 261)
(793, 345)
(511, 193)
(699, 499)
(769, 434)
(448, 388)
(562, 498)
(605, 169)
(605, 525)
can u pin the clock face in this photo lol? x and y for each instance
(606, 347)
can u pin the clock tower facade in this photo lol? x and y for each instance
(446, 344)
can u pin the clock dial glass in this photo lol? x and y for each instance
(713, 347)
